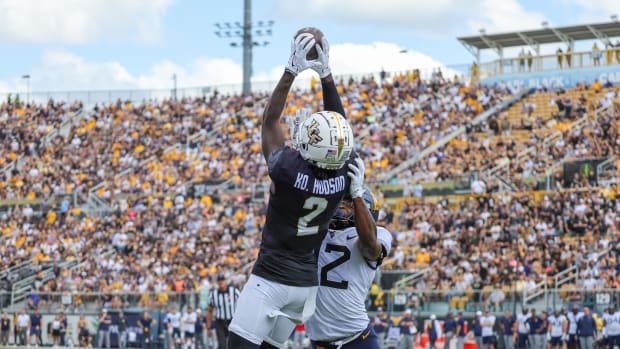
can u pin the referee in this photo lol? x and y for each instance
(222, 303)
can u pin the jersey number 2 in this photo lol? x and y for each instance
(346, 255)
(317, 206)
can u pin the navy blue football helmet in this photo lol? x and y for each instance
(341, 220)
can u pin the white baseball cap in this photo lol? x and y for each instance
(478, 313)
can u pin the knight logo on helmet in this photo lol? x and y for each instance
(313, 133)
(322, 151)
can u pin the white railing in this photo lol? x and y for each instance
(550, 62)
(568, 275)
(503, 167)
(101, 97)
(72, 117)
(416, 275)
(446, 139)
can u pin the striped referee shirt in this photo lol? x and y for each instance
(224, 303)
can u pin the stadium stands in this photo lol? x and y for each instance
(145, 162)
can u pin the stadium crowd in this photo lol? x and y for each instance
(161, 147)
(485, 248)
(501, 139)
(163, 237)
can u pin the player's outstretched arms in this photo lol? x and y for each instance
(364, 223)
(331, 98)
(271, 133)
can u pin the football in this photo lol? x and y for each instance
(318, 37)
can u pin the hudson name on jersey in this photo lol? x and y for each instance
(302, 201)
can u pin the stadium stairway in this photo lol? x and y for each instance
(446, 139)
(22, 288)
(502, 169)
(63, 130)
(540, 298)
(93, 204)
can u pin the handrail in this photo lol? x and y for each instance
(546, 143)
(549, 62)
(20, 289)
(538, 290)
(5, 272)
(400, 284)
(600, 168)
(446, 139)
(559, 279)
(56, 131)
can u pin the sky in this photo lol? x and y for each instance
(140, 44)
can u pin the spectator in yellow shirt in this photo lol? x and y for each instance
(423, 257)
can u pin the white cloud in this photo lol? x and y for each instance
(80, 21)
(429, 17)
(352, 59)
(505, 15)
(596, 11)
(60, 70)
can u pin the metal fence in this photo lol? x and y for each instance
(394, 300)
(93, 97)
(494, 300)
(550, 62)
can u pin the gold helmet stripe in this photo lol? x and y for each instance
(339, 126)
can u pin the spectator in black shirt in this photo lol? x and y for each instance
(122, 331)
(5, 327)
(35, 327)
(104, 329)
(63, 328)
(145, 324)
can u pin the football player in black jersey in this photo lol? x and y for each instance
(309, 180)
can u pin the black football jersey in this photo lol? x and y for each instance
(302, 201)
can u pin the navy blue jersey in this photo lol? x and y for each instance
(302, 201)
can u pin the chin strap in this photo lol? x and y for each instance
(379, 260)
(381, 256)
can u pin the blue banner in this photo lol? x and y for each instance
(558, 78)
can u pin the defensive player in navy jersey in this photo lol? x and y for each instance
(309, 180)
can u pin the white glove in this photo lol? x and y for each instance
(300, 117)
(300, 46)
(356, 173)
(548, 336)
(323, 53)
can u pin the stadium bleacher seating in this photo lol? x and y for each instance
(143, 162)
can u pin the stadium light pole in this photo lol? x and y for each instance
(247, 31)
(27, 78)
(174, 86)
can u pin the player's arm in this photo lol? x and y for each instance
(331, 98)
(272, 135)
(366, 230)
(210, 310)
(565, 327)
(364, 223)
(515, 327)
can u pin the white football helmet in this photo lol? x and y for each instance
(325, 139)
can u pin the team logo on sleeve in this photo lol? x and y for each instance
(313, 133)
